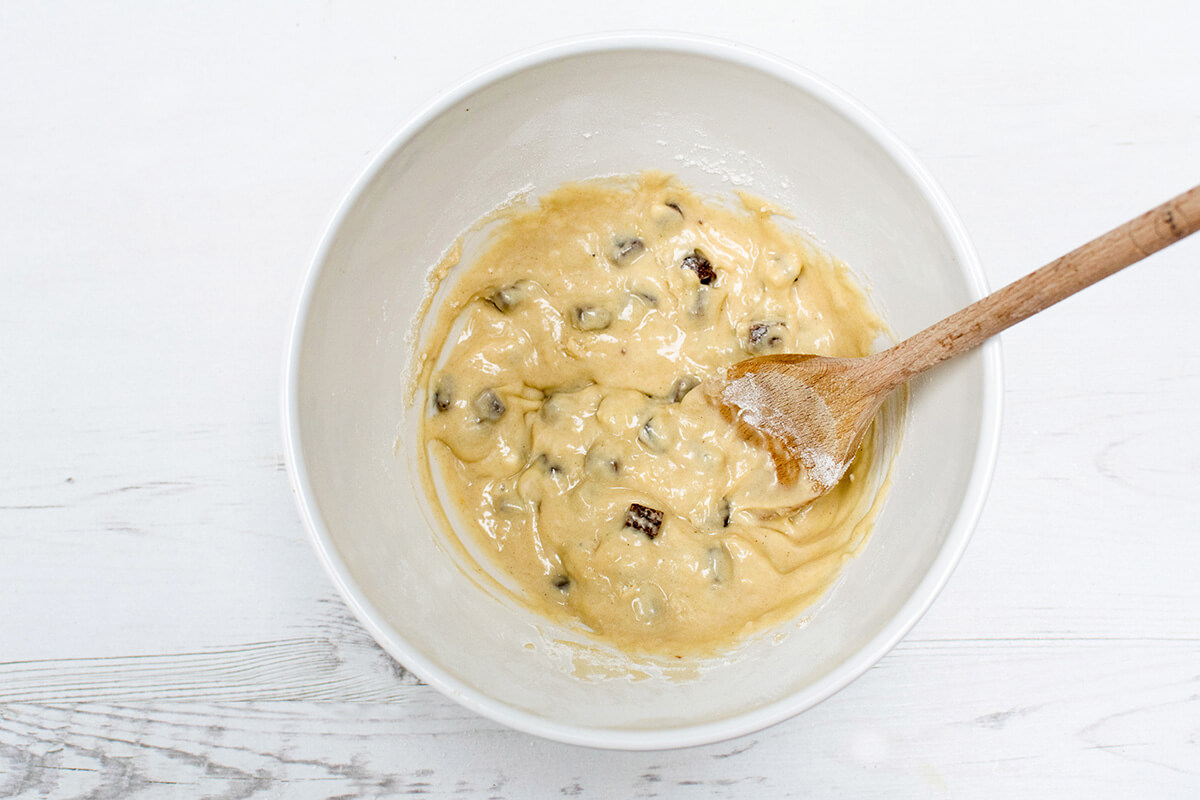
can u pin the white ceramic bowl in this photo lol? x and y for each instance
(720, 117)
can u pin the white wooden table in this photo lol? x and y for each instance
(165, 630)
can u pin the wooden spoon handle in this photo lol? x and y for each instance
(1044, 287)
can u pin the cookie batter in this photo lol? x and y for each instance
(567, 417)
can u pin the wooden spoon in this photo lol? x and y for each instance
(810, 412)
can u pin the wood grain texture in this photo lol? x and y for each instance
(166, 631)
(419, 743)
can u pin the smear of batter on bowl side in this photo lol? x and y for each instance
(563, 417)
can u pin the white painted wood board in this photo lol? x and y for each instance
(165, 630)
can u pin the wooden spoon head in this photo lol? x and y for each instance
(809, 412)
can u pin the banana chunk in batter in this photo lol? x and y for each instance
(567, 420)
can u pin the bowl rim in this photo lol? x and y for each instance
(975, 496)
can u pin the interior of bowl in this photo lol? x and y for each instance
(720, 124)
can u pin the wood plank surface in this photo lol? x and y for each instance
(166, 630)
